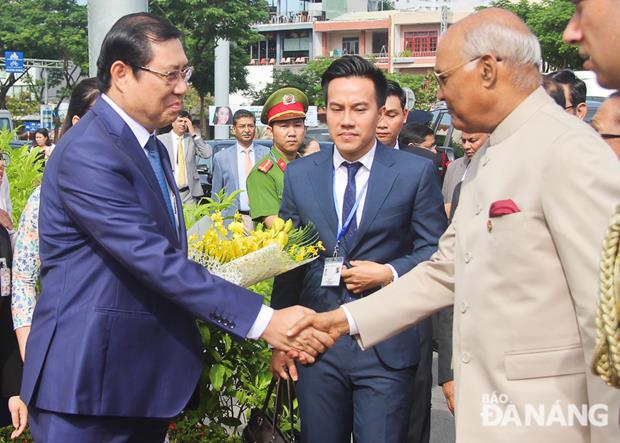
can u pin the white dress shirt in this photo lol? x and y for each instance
(361, 178)
(244, 202)
(142, 135)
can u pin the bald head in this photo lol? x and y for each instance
(606, 122)
(489, 61)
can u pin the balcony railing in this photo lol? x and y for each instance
(292, 17)
(283, 61)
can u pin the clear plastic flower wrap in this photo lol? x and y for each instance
(252, 268)
(246, 258)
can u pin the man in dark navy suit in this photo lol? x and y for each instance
(114, 350)
(379, 213)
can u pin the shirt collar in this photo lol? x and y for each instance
(240, 148)
(140, 132)
(366, 160)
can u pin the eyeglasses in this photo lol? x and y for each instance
(442, 76)
(5, 158)
(172, 76)
(608, 136)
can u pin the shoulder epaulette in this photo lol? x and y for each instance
(265, 166)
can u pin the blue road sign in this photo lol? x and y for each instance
(14, 62)
(31, 126)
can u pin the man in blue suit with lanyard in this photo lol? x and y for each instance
(114, 351)
(379, 212)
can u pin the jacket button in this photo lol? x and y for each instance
(478, 209)
(465, 357)
(463, 307)
(467, 257)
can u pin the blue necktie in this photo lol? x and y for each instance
(348, 202)
(153, 155)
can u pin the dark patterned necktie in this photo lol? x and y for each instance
(155, 160)
(348, 202)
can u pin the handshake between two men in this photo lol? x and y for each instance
(299, 333)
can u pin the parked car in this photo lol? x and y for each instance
(593, 104)
(447, 137)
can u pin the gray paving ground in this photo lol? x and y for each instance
(442, 421)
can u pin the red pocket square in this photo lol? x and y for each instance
(503, 207)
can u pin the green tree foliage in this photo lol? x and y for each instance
(423, 86)
(22, 104)
(547, 19)
(46, 29)
(385, 5)
(202, 23)
(308, 79)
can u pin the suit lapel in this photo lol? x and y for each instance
(179, 203)
(322, 179)
(127, 143)
(170, 149)
(380, 182)
(187, 148)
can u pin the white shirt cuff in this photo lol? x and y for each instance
(394, 273)
(260, 324)
(352, 325)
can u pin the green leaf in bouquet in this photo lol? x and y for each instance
(205, 334)
(227, 343)
(216, 374)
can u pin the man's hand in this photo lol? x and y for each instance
(279, 362)
(19, 415)
(190, 127)
(5, 219)
(364, 275)
(308, 340)
(448, 392)
(333, 323)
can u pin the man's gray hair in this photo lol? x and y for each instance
(513, 46)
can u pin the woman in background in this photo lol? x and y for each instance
(26, 263)
(12, 409)
(43, 143)
(222, 116)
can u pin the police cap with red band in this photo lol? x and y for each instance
(284, 104)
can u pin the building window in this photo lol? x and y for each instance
(421, 43)
(380, 43)
(350, 45)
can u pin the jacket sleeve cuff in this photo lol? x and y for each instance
(352, 325)
(260, 324)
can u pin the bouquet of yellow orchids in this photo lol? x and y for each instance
(246, 258)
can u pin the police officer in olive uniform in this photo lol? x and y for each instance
(284, 113)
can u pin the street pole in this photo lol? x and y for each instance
(102, 14)
(222, 81)
(45, 96)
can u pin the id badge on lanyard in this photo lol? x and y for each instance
(332, 269)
